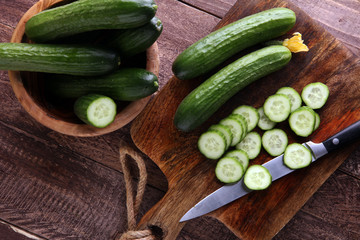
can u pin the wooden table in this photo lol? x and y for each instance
(55, 186)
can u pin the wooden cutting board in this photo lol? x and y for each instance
(259, 215)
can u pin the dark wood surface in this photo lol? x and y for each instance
(55, 186)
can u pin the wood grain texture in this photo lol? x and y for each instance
(259, 215)
(15, 121)
(217, 8)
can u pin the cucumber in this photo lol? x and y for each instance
(229, 170)
(224, 130)
(277, 107)
(275, 141)
(206, 99)
(127, 84)
(54, 58)
(243, 122)
(264, 122)
(250, 114)
(302, 121)
(212, 144)
(88, 15)
(130, 42)
(257, 177)
(317, 121)
(235, 127)
(293, 95)
(240, 155)
(215, 48)
(251, 144)
(95, 109)
(315, 95)
(297, 156)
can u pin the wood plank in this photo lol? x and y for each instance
(217, 8)
(58, 194)
(11, 232)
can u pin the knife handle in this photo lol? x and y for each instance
(343, 137)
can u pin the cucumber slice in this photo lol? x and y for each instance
(224, 130)
(251, 115)
(302, 121)
(257, 177)
(277, 107)
(297, 156)
(212, 144)
(235, 127)
(251, 144)
(317, 121)
(275, 141)
(264, 122)
(315, 95)
(229, 170)
(240, 155)
(96, 110)
(293, 95)
(243, 122)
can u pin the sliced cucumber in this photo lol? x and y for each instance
(297, 156)
(224, 130)
(229, 170)
(250, 114)
(315, 95)
(275, 141)
(251, 144)
(317, 121)
(264, 122)
(277, 107)
(240, 155)
(257, 177)
(293, 95)
(96, 110)
(243, 122)
(302, 121)
(235, 127)
(212, 144)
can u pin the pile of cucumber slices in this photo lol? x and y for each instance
(233, 141)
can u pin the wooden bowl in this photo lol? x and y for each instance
(28, 88)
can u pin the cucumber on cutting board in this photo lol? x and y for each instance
(202, 102)
(127, 84)
(96, 110)
(215, 48)
(130, 42)
(88, 15)
(57, 58)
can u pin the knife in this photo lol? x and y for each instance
(277, 169)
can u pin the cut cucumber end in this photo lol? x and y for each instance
(275, 141)
(251, 144)
(96, 110)
(302, 121)
(277, 107)
(240, 155)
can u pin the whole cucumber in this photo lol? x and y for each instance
(56, 58)
(206, 99)
(127, 84)
(130, 42)
(88, 15)
(215, 48)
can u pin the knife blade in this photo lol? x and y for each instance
(277, 169)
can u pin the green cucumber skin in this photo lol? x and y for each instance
(88, 15)
(130, 42)
(81, 107)
(54, 58)
(207, 98)
(128, 84)
(215, 48)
